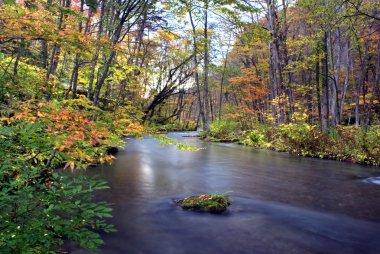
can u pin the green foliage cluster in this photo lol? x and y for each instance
(221, 131)
(212, 203)
(346, 143)
(42, 206)
(38, 217)
(355, 144)
(255, 137)
(301, 139)
(28, 80)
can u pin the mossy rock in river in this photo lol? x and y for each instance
(212, 203)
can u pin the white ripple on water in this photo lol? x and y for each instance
(373, 180)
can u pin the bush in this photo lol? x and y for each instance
(40, 206)
(257, 137)
(347, 143)
(302, 139)
(222, 131)
(37, 217)
(372, 146)
(358, 145)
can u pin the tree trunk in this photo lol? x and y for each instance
(95, 58)
(196, 73)
(206, 126)
(374, 87)
(54, 58)
(222, 80)
(122, 18)
(318, 90)
(102, 79)
(44, 54)
(335, 68)
(273, 84)
(363, 63)
(20, 52)
(345, 84)
(325, 86)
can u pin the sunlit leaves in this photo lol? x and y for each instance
(78, 140)
(18, 22)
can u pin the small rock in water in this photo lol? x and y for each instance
(212, 203)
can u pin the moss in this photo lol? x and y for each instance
(212, 203)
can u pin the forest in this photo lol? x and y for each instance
(76, 76)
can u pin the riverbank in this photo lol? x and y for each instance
(345, 143)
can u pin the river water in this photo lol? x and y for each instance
(280, 203)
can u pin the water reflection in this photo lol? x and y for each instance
(281, 203)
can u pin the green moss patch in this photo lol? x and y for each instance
(212, 203)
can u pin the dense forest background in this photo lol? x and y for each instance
(76, 75)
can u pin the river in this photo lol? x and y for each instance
(280, 203)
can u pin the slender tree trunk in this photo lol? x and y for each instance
(54, 58)
(212, 111)
(75, 72)
(273, 83)
(45, 47)
(374, 87)
(95, 58)
(335, 68)
(310, 97)
(363, 63)
(196, 73)
(283, 42)
(325, 85)
(277, 66)
(206, 70)
(103, 78)
(318, 90)
(357, 103)
(365, 81)
(20, 52)
(44, 54)
(73, 79)
(122, 19)
(345, 85)
(223, 78)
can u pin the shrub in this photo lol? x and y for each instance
(302, 139)
(222, 131)
(37, 217)
(347, 143)
(40, 206)
(256, 138)
(372, 146)
(366, 146)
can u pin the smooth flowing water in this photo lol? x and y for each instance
(280, 203)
